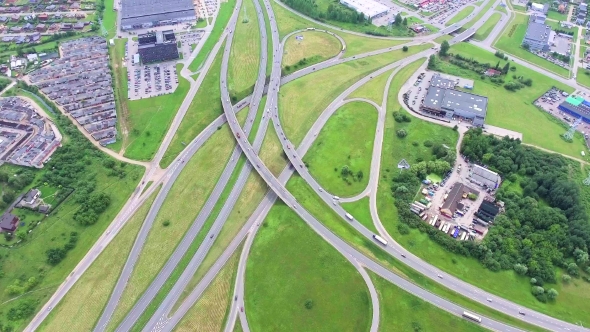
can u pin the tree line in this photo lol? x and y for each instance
(334, 12)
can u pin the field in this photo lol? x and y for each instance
(502, 105)
(484, 31)
(188, 194)
(314, 48)
(319, 289)
(83, 304)
(478, 17)
(511, 38)
(346, 140)
(460, 15)
(225, 11)
(583, 77)
(360, 210)
(204, 108)
(502, 9)
(210, 311)
(109, 18)
(555, 15)
(300, 103)
(288, 22)
(402, 311)
(245, 54)
(506, 284)
(372, 90)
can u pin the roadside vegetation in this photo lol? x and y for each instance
(583, 77)
(83, 304)
(402, 311)
(510, 42)
(314, 47)
(340, 157)
(244, 57)
(509, 90)
(53, 244)
(320, 290)
(226, 9)
(372, 90)
(463, 13)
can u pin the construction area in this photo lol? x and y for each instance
(80, 84)
(27, 136)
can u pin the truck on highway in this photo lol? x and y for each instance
(349, 216)
(380, 239)
(471, 317)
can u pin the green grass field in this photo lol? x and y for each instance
(502, 9)
(319, 289)
(225, 11)
(583, 77)
(188, 194)
(288, 22)
(360, 211)
(83, 304)
(346, 140)
(511, 39)
(402, 311)
(516, 111)
(314, 48)
(109, 19)
(372, 90)
(245, 54)
(460, 15)
(478, 17)
(484, 31)
(300, 102)
(506, 284)
(555, 15)
(209, 314)
(204, 108)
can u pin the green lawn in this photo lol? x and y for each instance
(478, 17)
(516, 111)
(484, 31)
(583, 77)
(506, 284)
(372, 90)
(244, 57)
(288, 22)
(188, 194)
(510, 42)
(314, 48)
(83, 304)
(301, 102)
(502, 9)
(360, 210)
(402, 311)
(225, 11)
(345, 141)
(555, 15)
(319, 290)
(109, 19)
(204, 108)
(460, 15)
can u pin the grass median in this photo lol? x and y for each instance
(372, 90)
(484, 31)
(463, 13)
(308, 48)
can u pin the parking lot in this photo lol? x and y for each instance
(144, 81)
(187, 40)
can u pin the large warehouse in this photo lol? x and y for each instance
(371, 9)
(444, 101)
(138, 14)
(577, 107)
(157, 47)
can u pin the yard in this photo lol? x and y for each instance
(510, 42)
(308, 48)
(345, 142)
(463, 13)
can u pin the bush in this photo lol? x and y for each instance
(537, 290)
(401, 133)
(427, 143)
(55, 255)
(573, 270)
(308, 304)
(552, 294)
(520, 269)
(166, 223)
(405, 48)
(403, 229)
(533, 281)
(566, 278)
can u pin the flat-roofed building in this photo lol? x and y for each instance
(138, 14)
(537, 34)
(485, 177)
(371, 9)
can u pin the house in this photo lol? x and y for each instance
(32, 195)
(79, 26)
(43, 17)
(28, 26)
(80, 15)
(15, 18)
(66, 26)
(492, 72)
(41, 27)
(540, 8)
(75, 6)
(8, 222)
(16, 29)
(35, 38)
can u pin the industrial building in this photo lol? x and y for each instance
(485, 177)
(537, 34)
(577, 107)
(453, 199)
(139, 14)
(442, 100)
(487, 211)
(371, 9)
(157, 47)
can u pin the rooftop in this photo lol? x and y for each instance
(145, 11)
(440, 98)
(537, 32)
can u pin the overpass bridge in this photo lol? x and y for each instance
(463, 36)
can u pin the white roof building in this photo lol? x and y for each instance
(369, 8)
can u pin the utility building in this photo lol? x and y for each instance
(485, 177)
(138, 14)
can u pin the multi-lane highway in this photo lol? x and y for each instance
(162, 320)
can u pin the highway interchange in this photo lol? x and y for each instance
(162, 320)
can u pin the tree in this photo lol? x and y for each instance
(537, 290)
(444, 48)
(55, 255)
(401, 133)
(405, 48)
(398, 19)
(405, 22)
(497, 65)
(581, 256)
(359, 175)
(566, 278)
(308, 304)
(526, 46)
(552, 294)
(506, 68)
(432, 62)
(520, 269)
(21, 234)
(345, 171)
(572, 269)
